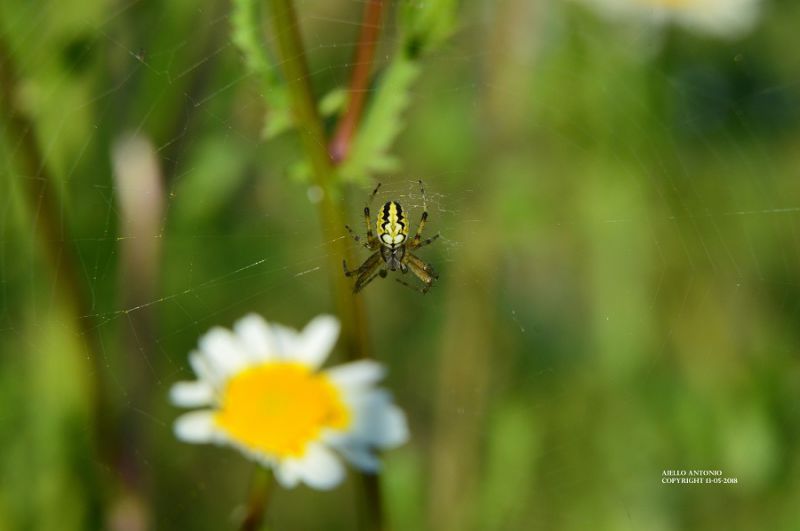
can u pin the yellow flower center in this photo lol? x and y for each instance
(277, 408)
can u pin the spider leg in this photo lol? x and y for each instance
(417, 242)
(347, 272)
(362, 285)
(365, 272)
(371, 240)
(374, 192)
(415, 288)
(422, 271)
(368, 276)
(415, 263)
(367, 224)
(367, 264)
(357, 238)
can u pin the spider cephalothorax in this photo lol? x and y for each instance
(392, 247)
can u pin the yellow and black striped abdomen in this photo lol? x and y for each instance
(391, 225)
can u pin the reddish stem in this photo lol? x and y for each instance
(367, 42)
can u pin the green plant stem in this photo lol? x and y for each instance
(362, 68)
(350, 308)
(295, 69)
(260, 492)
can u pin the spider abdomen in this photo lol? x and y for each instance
(392, 227)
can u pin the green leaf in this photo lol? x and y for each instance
(245, 35)
(425, 25)
(334, 102)
(244, 21)
(382, 123)
(279, 116)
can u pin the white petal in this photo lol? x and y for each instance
(317, 340)
(378, 421)
(395, 429)
(191, 394)
(357, 374)
(265, 459)
(255, 336)
(202, 368)
(320, 468)
(287, 341)
(288, 473)
(356, 451)
(361, 458)
(222, 351)
(196, 427)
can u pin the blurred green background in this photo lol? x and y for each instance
(619, 266)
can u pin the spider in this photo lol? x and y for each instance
(391, 246)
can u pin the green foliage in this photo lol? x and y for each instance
(382, 123)
(425, 25)
(245, 22)
(245, 33)
(510, 461)
(212, 183)
(45, 457)
(637, 260)
(333, 103)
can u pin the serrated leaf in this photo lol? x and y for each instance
(244, 22)
(246, 36)
(334, 102)
(382, 123)
(275, 124)
(425, 25)
(279, 116)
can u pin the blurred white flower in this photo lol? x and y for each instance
(264, 393)
(728, 19)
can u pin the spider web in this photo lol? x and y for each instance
(618, 260)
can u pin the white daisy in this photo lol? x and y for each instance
(265, 394)
(719, 18)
